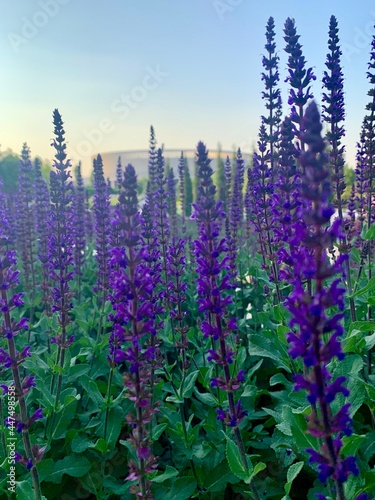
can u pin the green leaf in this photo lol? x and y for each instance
(264, 347)
(352, 444)
(75, 466)
(370, 341)
(45, 468)
(370, 234)
(100, 445)
(24, 490)
(158, 431)
(168, 474)
(292, 473)
(63, 419)
(362, 326)
(368, 288)
(189, 383)
(235, 462)
(115, 419)
(92, 390)
(80, 443)
(206, 398)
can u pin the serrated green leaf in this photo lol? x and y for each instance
(24, 490)
(168, 474)
(292, 473)
(235, 462)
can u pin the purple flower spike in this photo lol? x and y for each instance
(309, 308)
(213, 285)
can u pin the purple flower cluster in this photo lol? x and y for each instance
(316, 335)
(333, 113)
(299, 78)
(102, 217)
(133, 318)
(42, 213)
(213, 287)
(26, 220)
(12, 359)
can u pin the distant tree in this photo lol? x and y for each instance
(9, 171)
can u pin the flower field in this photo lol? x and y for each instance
(155, 348)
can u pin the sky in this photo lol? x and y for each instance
(190, 68)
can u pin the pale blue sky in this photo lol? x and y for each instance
(191, 68)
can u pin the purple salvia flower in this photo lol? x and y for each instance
(60, 239)
(333, 113)
(236, 204)
(79, 228)
(25, 219)
(89, 227)
(171, 202)
(316, 335)
(181, 176)
(42, 213)
(162, 222)
(212, 287)
(360, 180)
(299, 77)
(132, 289)
(213, 296)
(271, 95)
(228, 177)
(119, 174)
(286, 201)
(9, 329)
(177, 289)
(152, 161)
(102, 216)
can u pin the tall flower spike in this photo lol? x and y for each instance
(89, 227)
(26, 219)
(317, 341)
(213, 296)
(271, 95)
(119, 174)
(133, 318)
(152, 161)
(12, 359)
(182, 186)
(162, 222)
(60, 244)
(172, 208)
(42, 212)
(333, 112)
(299, 78)
(102, 216)
(79, 228)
